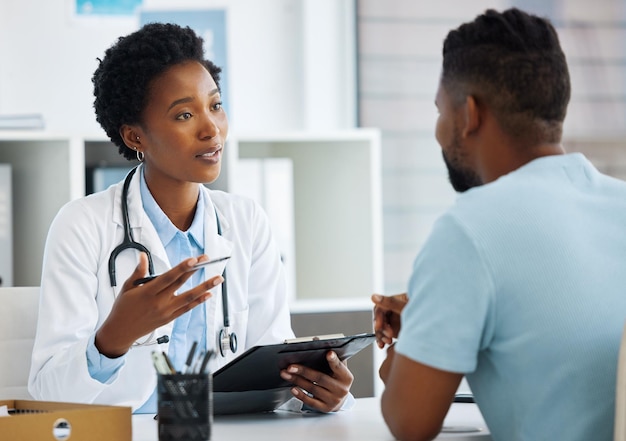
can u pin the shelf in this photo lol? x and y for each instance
(44, 177)
(337, 250)
(336, 208)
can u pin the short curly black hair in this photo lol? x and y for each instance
(514, 63)
(123, 78)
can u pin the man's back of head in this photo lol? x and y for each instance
(512, 62)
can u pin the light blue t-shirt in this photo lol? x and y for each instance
(522, 287)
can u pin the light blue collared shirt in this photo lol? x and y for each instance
(189, 327)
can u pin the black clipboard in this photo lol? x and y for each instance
(252, 382)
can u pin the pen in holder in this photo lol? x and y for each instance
(185, 403)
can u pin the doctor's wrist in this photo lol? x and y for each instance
(107, 347)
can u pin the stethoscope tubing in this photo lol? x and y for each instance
(224, 285)
(128, 242)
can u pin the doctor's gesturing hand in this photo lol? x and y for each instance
(387, 310)
(318, 390)
(139, 310)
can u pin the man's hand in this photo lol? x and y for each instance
(387, 311)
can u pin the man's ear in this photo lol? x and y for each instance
(472, 117)
(130, 136)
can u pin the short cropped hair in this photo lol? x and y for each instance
(513, 62)
(123, 77)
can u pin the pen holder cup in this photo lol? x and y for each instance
(185, 404)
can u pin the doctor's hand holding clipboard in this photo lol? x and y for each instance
(128, 321)
(325, 393)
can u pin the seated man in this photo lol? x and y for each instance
(521, 286)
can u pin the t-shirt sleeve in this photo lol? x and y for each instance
(449, 316)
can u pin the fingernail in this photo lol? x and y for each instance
(292, 369)
(295, 391)
(377, 298)
(218, 281)
(285, 375)
(332, 356)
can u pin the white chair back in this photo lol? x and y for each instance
(620, 393)
(19, 307)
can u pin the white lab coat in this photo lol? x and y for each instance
(76, 295)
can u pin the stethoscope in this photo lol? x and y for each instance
(226, 339)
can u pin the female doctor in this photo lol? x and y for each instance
(158, 100)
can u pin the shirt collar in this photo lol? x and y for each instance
(163, 225)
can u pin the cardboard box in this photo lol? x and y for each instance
(44, 420)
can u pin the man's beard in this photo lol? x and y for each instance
(461, 178)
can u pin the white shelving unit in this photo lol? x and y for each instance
(336, 190)
(6, 226)
(46, 173)
(337, 207)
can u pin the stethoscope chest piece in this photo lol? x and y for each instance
(227, 340)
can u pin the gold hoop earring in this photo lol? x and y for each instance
(140, 156)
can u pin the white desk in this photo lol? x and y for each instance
(362, 423)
